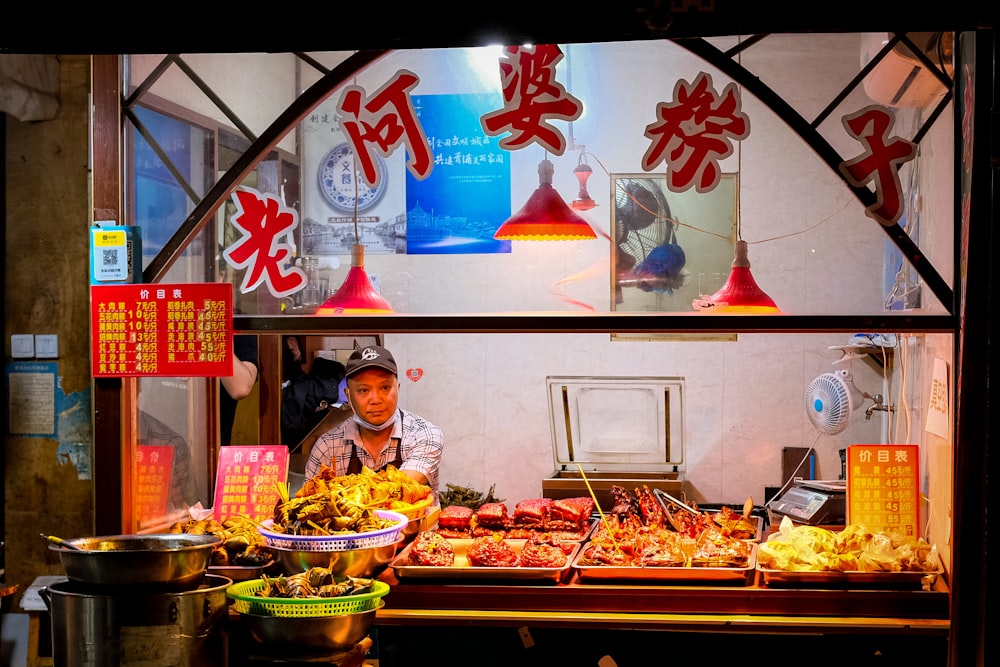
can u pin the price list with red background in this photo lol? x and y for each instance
(248, 480)
(883, 488)
(169, 330)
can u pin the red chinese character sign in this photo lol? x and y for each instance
(263, 249)
(532, 98)
(883, 488)
(384, 122)
(694, 132)
(248, 480)
(172, 330)
(880, 161)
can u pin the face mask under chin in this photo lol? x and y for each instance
(372, 427)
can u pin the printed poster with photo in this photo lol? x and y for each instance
(332, 183)
(458, 208)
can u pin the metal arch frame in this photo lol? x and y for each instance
(209, 204)
(807, 132)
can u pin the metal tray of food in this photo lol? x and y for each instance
(668, 575)
(462, 570)
(849, 579)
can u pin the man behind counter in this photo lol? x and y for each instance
(380, 433)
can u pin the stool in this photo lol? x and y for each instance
(33, 603)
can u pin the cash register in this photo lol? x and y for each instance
(813, 502)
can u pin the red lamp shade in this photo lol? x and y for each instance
(356, 296)
(740, 294)
(545, 216)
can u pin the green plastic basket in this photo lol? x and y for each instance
(246, 601)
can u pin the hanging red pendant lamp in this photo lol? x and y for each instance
(740, 294)
(545, 216)
(583, 201)
(357, 296)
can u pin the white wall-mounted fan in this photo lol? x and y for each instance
(830, 400)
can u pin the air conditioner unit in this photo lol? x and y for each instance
(900, 79)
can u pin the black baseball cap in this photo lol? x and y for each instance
(371, 356)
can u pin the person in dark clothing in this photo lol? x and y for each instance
(237, 386)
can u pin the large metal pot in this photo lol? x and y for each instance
(107, 630)
(138, 563)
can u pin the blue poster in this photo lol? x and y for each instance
(458, 208)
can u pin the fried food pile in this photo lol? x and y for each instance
(639, 532)
(328, 504)
(316, 582)
(242, 544)
(853, 549)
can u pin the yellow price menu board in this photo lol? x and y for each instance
(883, 488)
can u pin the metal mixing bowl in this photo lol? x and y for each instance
(292, 635)
(143, 563)
(366, 562)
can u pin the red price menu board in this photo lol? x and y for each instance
(247, 481)
(153, 468)
(172, 330)
(883, 487)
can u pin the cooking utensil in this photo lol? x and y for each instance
(167, 562)
(663, 497)
(52, 539)
(593, 497)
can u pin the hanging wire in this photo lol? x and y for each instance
(357, 237)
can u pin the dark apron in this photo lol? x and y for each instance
(354, 466)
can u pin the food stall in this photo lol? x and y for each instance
(576, 615)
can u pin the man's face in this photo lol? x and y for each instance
(373, 394)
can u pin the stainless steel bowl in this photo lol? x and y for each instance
(366, 562)
(295, 635)
(138, 563)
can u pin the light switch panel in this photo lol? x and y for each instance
(22, 346)
(46, 346)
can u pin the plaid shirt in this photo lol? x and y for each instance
(420, 441)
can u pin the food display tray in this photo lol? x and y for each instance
(462, 570)
(668, 575)
(849, 579)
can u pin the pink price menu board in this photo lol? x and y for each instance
(883, 488)
(247, 481)
(182, 330)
